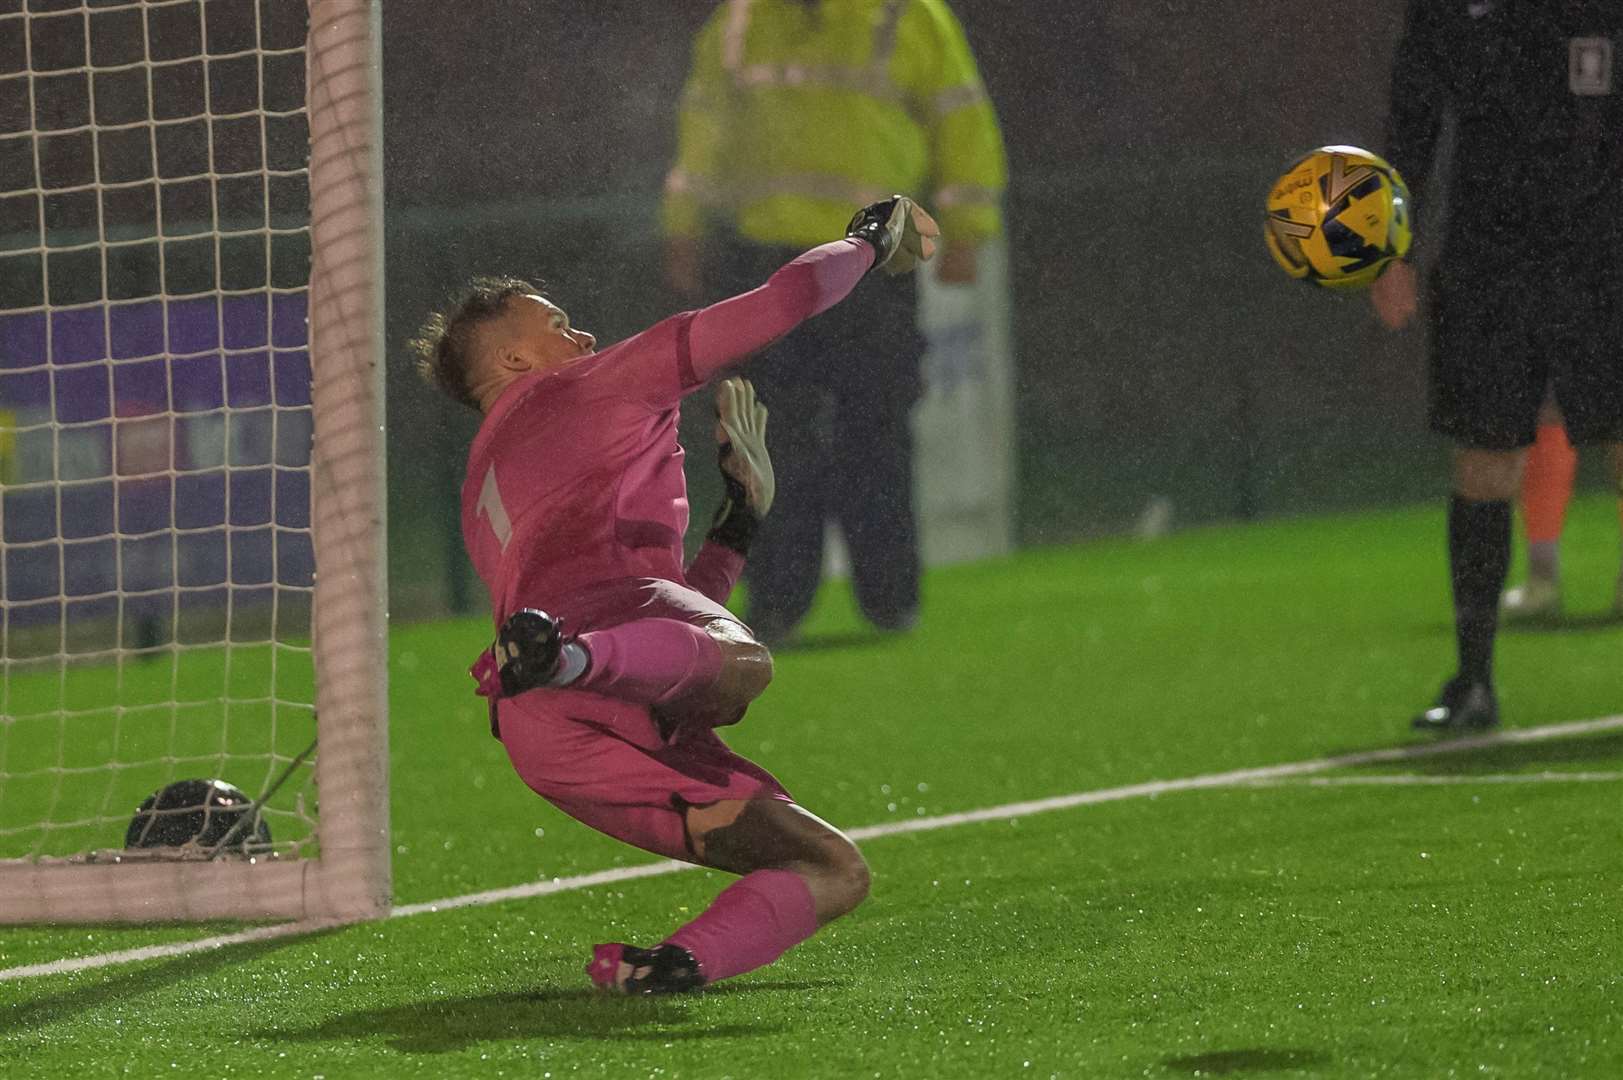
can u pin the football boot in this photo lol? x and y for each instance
(1463, 706)
(1535, 599)
(625, 969)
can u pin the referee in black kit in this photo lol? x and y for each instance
(1526, 295)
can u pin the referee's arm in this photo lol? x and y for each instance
(1419, 95)
(1414, 117)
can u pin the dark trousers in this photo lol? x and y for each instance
(839, 390)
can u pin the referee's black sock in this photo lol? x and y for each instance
(1478, 560)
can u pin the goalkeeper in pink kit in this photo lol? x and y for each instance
(613, 663)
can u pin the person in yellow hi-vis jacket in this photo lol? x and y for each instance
(796, 113)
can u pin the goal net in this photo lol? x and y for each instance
(191, 511)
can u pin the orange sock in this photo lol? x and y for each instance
(1547, 484)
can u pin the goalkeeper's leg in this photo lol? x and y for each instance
(604, 763)
(798, 874)
(711, 668)
(657, 644)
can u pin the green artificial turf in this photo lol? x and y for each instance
(1466, 928)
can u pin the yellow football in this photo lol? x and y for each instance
(1337, 217)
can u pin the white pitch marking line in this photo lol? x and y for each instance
(1428, 780)
(164, 952)
(1266, 774)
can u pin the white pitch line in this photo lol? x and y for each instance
(1426, 780)
(1264, 775)
(164, 952)
(539, 888)
(1238, 777)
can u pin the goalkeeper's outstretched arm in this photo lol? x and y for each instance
(895, 234)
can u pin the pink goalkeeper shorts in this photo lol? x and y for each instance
(603, 763)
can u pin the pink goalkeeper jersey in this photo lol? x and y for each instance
(575, 476)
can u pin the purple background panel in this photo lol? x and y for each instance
(237, 521)
(78, 337)
(136, 329)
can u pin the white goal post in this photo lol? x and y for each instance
(279, 596)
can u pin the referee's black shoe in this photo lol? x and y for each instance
(1463, 706)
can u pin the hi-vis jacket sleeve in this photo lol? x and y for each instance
(701, 127)
(968, 168)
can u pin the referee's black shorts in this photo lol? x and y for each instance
(1499, 345)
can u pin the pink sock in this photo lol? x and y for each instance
(754, 921)
(649, 661)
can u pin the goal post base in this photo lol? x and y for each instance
(297, 889)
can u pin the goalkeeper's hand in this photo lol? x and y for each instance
(902, 234)
(746, 470)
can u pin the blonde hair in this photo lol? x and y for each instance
(445, 344)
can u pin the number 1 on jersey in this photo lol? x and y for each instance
(490, 505)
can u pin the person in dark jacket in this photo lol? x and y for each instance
(1526, 293)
